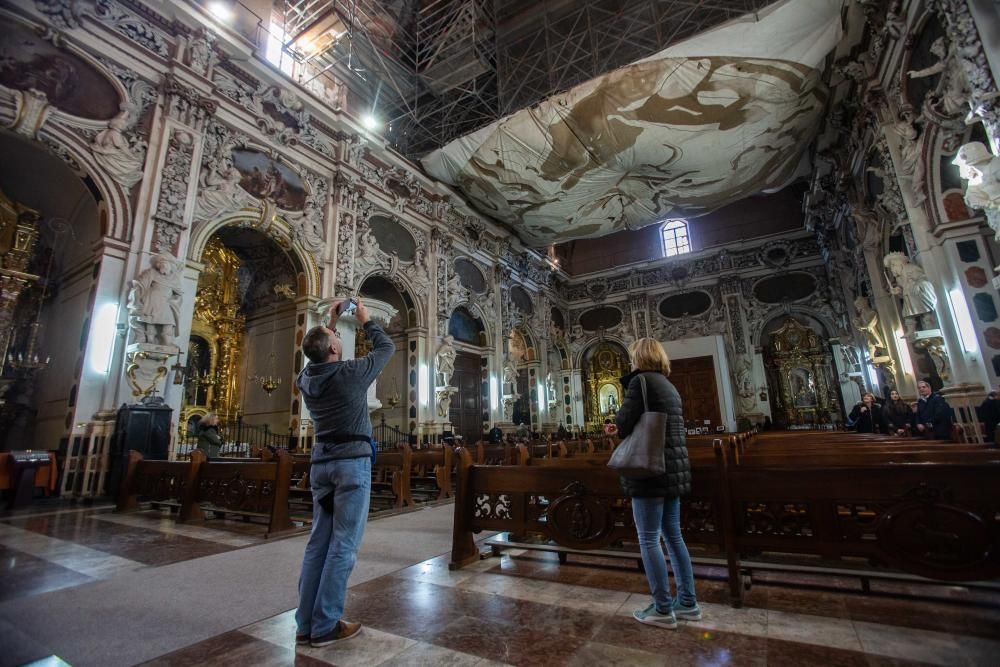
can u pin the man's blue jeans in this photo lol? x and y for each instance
(333, 543)
(653, 515)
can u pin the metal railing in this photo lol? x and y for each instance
(388, 437)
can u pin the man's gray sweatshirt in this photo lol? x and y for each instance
(336, 394)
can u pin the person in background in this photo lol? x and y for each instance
(934, 415)
(495, 435)
(610, 428)
(988, 413)
(656, 501)
(897, 414)
(209, 439)
(866, 417)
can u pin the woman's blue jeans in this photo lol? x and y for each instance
(333, 544)
(653, 515)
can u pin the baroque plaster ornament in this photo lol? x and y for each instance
(307, 228)
(112, 150)
(744, 384)
(866, 322)
(951, 97)
(444, 395)
(32, 110)
(982, 171)
(911, 165)
(869, 227)
(510, 371)
(444, 361)
(421, 270)
(154, 302)
(200, 55)
(220, 190)
(368, 254)
(912, 284)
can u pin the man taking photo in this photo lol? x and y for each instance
(336, 393)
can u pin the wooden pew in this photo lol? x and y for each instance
(939, 520)
(431, 471)
(391, 476)
(246, 489)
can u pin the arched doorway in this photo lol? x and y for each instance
(48, 327)
(241, 350)
(469, 409)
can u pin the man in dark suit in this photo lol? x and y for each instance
(989, 415)
(934, 415)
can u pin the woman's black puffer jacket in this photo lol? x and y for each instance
(661, 396)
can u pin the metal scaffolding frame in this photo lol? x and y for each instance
(435, 70)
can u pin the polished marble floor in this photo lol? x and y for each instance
(524, 608)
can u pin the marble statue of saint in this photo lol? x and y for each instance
(912, 284)
(510, 371)
(982, 171)
(744, 385)
(154, 302)
(952, 95)
(909, 151)
(867, 323)
(444, 361)
(308, 229)
(220, 189)
(113, 152)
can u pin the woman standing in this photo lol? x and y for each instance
(209, 439)
(656, 503)
(897, 414)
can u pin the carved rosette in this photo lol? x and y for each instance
(168, 219)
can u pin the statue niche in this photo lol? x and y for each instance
(799, 374)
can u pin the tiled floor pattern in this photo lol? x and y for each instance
(526, 609)
(49, 550)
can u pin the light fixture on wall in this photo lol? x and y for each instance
(392, 400)
(270, 382)
(29, 359)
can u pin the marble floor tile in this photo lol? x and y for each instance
(81, 559)
(171, 527)
(278, 630)
(370, 647)
(428, 655)
(687, 645)
(18, 647)
(521, 646)
(436, 572)
(937, 648)
(920, 614)
(232, 649)
(607, 655)
(817, 603)
(818, 630)
(22, 575)
(794, 654)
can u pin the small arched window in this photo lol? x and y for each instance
(675, 238)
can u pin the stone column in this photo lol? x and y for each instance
(348, 326)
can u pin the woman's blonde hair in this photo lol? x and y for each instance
(648, 355)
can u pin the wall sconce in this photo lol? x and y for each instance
(763, 395)
(178, 370)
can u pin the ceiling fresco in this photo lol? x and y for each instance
(678, 134)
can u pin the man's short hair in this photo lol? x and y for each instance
(316, 345)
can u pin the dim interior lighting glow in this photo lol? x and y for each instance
(541, 397)
(221, 10)
(370, 121)
(423, 380)
(966, 331)
(494, 397)
(904, 352)
(102, 337)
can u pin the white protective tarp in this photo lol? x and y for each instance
(706, 122)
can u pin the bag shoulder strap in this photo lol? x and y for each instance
(642, 384)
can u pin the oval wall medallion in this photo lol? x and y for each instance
(687, 304)
(70, 83)
(603, 317)
(785, 287)
(267, 178)
(393, 237)
(470, 276)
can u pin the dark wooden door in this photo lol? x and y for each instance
(695, 381)
(466, 414)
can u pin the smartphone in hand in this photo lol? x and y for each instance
(347, 307)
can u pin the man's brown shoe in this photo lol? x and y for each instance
(343, 630)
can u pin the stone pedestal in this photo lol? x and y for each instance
(347, 327)
(931, 341)
(442, 404)
(963, 399)
(146, 367)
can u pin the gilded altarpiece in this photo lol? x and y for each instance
(799, 374)
(213, 380)
(603, 369)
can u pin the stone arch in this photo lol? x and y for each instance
(278, 230)
(405, 288)
(477, 310)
